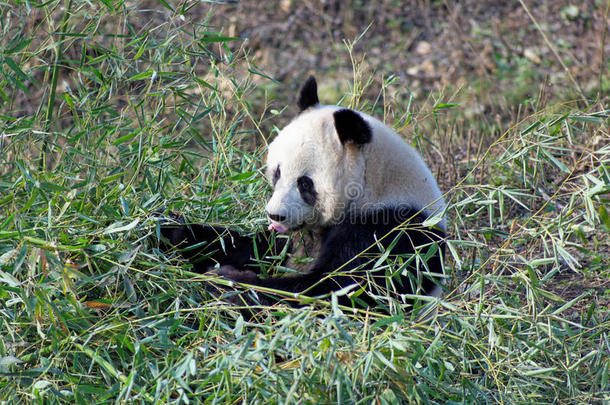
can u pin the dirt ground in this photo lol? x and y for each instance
(503, 51)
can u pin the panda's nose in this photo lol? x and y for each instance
(278, 218)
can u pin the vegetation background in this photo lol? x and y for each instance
(113, 110)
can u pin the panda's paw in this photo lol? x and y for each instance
(241, 276)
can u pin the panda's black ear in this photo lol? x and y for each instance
(351, 127)
(308, 96)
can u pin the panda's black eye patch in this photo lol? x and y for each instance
(305, 183)
(307, 190)
(276, 175)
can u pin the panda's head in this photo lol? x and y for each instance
(315, 164)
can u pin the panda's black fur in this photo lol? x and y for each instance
(348, 248)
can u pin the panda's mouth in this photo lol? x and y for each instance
(278, 227)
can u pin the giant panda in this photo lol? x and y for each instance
(354, 192)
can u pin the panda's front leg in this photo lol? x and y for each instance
(239, 275)
(310, 284)
(332, 270)
(205, 246)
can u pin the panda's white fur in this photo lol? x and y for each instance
(383, 172)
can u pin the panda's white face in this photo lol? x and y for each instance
(311, 170)
(317, 168)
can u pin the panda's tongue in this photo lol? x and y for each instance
(277, 227)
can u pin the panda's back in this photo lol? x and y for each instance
(396, 175)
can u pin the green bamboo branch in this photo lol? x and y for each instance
(51, 101)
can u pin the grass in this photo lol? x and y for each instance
(110, 113)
